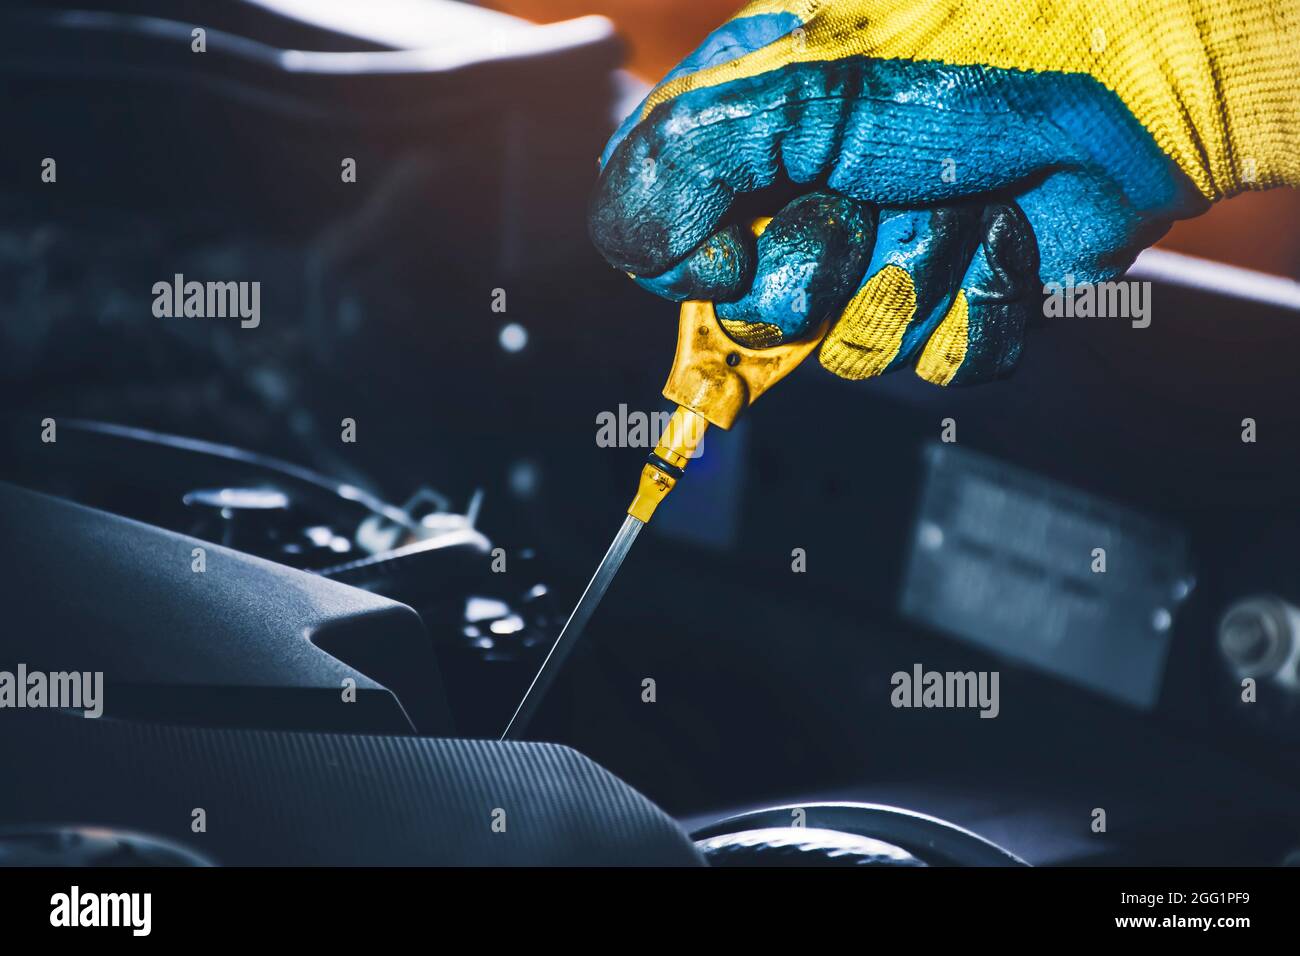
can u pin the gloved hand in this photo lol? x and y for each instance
(948, 158)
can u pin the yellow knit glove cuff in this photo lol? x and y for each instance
(1253, 52)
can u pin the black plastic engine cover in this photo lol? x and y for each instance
(243, 643)
(274, 798)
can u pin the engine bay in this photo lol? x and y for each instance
(384, 466)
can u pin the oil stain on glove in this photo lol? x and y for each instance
(995, 145)
(808, 255)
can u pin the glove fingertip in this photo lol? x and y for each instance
(719, 270)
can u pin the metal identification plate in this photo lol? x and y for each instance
(1045, 574)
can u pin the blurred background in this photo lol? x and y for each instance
(474, 131)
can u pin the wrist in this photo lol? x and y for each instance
(1253, 47)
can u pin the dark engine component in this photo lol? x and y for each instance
(487, 629)
(192, 632)
(90, 846)
(330, 799)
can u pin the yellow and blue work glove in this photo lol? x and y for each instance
(949, 157)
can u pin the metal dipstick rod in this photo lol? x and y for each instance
(574, 627)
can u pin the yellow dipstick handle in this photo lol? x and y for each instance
(676, 447)
(713, 379)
